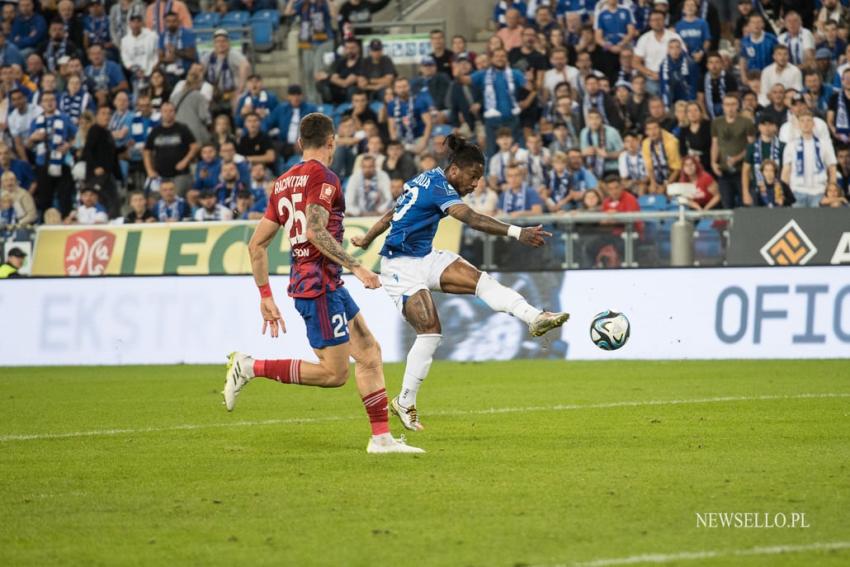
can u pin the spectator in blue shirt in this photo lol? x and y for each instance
(230, 185)
(409, 116)
(518, 199)
(22, 170)
(96, 29)
(614, 30)
(29, 28)
(104, 77)
(565, 7)
(694, 31)
(208, 169)
(177, 49)
(170, 207)
(9, 53)
(678, 75)
(255, 100)
(283, 123)
(496, 90)
(757, 46)
(502, 8)
(51, 136)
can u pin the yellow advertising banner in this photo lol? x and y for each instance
(210, 248)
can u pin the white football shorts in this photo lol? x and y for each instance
(403, 276)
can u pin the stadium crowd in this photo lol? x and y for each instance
(111, 112)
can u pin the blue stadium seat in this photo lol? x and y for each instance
(327, 109)
(235, 19)
(270, 16)
(652, 202)
(339, 111)
(206, 20)
(376, 106)
(262, 35)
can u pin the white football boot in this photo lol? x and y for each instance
(388, 444)
(408, 416)
(547, 321)
(236, 377)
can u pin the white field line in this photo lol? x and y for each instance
(661, 558)
(449, 413)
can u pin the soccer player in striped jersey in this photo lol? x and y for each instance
(411, 268)
(307, 201)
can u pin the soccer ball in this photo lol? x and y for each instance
(609, 330)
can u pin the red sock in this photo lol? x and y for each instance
(376, 408)
(287, 371)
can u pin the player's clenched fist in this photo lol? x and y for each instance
(359, 241)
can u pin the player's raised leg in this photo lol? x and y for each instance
(461, 277)
(421, 313)
(369, 373)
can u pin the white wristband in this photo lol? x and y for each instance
(514, 231)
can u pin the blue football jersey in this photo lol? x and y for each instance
(417, 214)
(759, 54)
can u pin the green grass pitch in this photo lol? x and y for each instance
(577, 463)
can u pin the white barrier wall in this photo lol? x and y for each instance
(716, 313)
(158, 320)
(675, 314)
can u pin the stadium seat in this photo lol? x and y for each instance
(206, 20)
(327, 109)
(652, 202)
(238, 19)
(376, 106)
(270, 16)
(339, 111)
(262, 35)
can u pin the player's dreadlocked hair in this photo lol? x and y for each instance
(463, 154)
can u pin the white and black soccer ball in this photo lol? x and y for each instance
(609, 330)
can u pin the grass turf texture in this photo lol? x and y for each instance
(512, 488)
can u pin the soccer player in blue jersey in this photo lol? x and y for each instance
(411, 268)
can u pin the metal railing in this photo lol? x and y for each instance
(405, 7)
(503, 254)
(398, 26)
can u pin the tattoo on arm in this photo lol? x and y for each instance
(318, 235)
(483, 223)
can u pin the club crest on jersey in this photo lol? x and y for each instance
(327, 192)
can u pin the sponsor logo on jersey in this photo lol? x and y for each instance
(87, 252)
(789, 247)
(327, 193)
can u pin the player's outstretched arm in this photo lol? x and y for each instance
(529, 235)
(258, 251)
(318, 235)
(377, 230)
